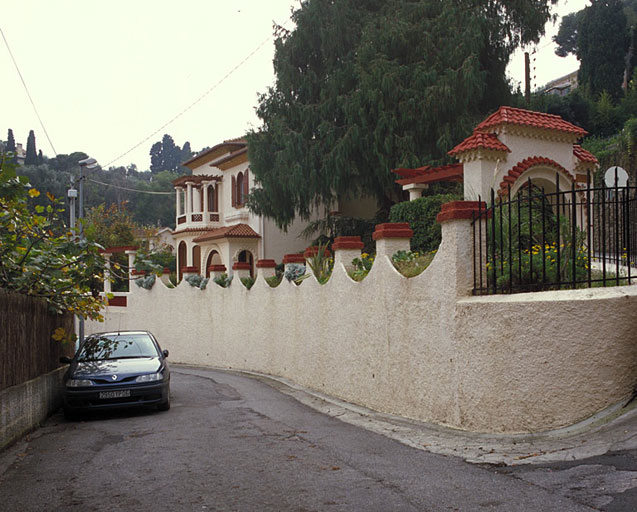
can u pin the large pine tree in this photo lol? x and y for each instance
(364, 86)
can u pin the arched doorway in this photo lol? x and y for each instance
(214, 258)
(181, 258)
(196, 258)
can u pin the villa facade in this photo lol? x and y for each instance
(215, 231)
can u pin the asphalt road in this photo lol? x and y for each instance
(234, 443)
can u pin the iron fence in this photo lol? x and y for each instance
(557, 239)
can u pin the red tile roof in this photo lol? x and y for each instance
(584, 155)
(521, 117)
(428, 174)
(480, 140)
(234, 231)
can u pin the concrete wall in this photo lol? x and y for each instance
(422, 348)
(25, 406)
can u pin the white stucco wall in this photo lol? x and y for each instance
(421, 348)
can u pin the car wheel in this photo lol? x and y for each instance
(164, 406)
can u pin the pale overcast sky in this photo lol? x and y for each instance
(106, 75)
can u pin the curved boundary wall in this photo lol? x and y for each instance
(422, 348)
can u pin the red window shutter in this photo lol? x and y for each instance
(246, 187)
(216, 206)
(234, 191)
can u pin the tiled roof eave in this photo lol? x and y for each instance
(480, 154)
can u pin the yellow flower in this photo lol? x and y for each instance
(34, 193)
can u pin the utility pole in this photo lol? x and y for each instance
(527, 78)
(88, 163)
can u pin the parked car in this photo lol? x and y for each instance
(115, 370)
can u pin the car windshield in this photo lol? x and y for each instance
(117, 346)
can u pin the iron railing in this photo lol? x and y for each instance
(562, 239)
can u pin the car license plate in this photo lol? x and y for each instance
(114, 394)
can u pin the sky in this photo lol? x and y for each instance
(106, 77)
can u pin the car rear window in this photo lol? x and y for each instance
(122, 346)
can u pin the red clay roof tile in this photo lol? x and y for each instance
(521, 117)
(234, 231)
(584, 155)
(480, 140)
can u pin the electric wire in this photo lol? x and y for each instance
(27, 91)
(199, 99)
(130, 189)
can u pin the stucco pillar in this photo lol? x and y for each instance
(415, 190)
(189, 271)
(188, 199)
(204, 187)
(178, 191)
(131, 266)
(216, 271)
(241, 269)
(346, 249)
(455, 219)
(107, 273)
(266, 268)
(288, 259)
(165, 277)
(392, 237)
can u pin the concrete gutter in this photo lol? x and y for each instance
(25, 406)
(613, 429)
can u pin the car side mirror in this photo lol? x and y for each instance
(165, 353)
(65, 360)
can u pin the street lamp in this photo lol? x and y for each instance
(86, 163)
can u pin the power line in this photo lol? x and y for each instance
(27, 91)
(174, 118)
(131, 189)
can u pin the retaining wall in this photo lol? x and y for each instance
(24, 406)
(422, 348)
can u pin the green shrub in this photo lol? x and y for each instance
(247, 282)
(421, 216)
(275, 280)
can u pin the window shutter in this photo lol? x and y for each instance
(216, 205)
(234, 191)
(246, 186)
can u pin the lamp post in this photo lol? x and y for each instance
(86, 163)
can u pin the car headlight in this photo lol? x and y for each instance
(78, 383)
(151, 377)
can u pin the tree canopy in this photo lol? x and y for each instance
(602, 43)
(38, 257)
(599, 35)
(364, 86)
(165, 155)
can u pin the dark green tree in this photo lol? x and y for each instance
(10, 146)
(364, 86)
(165, 155)
(40, 157)
(566, 38)
(32, 154)
(602, 43)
